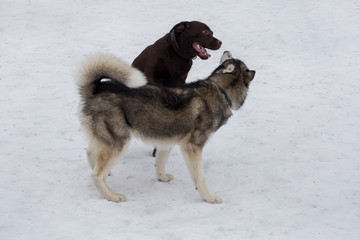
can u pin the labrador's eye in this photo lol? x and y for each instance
(206, 32)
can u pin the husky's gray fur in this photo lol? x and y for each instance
(115, 104)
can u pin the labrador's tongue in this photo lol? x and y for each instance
(201, 50)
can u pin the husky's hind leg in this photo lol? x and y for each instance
(162, 157)
(91, 154)
(107, 158)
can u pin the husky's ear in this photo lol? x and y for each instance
(229, 68)
(226, 55)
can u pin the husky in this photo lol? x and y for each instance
(116, 104)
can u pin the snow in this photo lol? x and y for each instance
(286, 165)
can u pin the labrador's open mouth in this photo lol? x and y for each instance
(202, 53)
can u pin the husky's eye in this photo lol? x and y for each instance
(247, 70)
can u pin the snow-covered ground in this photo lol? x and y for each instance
(287, 164)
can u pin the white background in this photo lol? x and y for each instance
(286, 164)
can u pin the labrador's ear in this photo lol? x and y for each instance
(180, 27)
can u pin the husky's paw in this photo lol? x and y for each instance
(213, 199)
(116, 197)
(165, 177)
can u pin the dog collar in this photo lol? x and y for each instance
(176, 46)
(226, 96)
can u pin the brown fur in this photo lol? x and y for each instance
(164, 67)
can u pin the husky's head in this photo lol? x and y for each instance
(236, 67)
(235, 78)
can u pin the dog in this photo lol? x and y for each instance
(167, 62)
(116, 103)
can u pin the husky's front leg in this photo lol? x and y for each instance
(193, 158)
(162, 156)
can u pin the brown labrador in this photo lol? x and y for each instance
(166, 63)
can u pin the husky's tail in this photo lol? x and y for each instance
(101, 66)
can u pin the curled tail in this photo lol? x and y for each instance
(101, 66)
